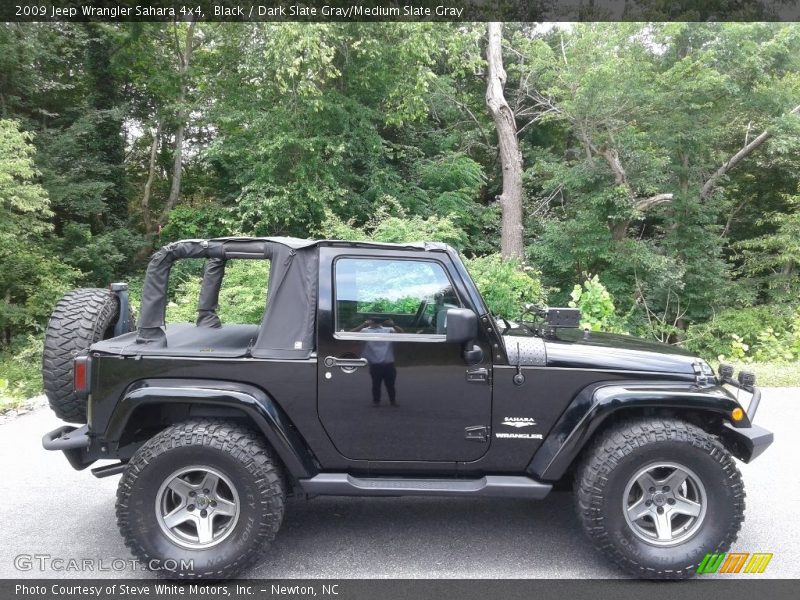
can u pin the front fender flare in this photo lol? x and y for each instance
(254, 402)
(595, 403)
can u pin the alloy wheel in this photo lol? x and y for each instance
(664, 503)
(197, 507)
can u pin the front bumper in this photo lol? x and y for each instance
(753, 390)
(746, 443)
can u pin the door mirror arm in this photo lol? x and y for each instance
(473, 353)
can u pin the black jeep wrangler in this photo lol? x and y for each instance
(377, 370)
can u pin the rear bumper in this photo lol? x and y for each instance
(74, 442)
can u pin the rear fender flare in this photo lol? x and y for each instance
(254, 402)
(595, 403)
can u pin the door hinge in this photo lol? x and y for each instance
(478, 375)
(477, 433)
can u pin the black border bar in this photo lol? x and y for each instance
(700, 588)
(399, 10)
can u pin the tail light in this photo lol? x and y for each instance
(80, 375)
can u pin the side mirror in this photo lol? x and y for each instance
(462, 325)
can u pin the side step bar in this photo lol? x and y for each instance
(342, 484)
(109, 470)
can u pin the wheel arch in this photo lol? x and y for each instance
(165, 401)
(601, 405)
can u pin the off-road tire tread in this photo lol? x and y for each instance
(80, 319)
(241, 442)
(623, 439)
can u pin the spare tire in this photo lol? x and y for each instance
(81, 318)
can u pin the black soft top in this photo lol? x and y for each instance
(287, 328)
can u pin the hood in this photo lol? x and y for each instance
(596, 350)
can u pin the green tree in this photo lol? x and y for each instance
(161, 63)
(60, 82)
(338, 128)
(506, 285)
(638, 134)
(661, 157)
(30, 278)
(773, 258)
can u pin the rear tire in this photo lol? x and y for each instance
(207, 494)
(639, 521)
(81, 318)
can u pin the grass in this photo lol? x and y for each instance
(20, 373)
(10, 402)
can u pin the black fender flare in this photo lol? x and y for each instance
(596, 402)
(254, 402)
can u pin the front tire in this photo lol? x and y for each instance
(656, 495)
(202, 499)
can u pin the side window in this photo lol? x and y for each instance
(392, 296)
(242, 294)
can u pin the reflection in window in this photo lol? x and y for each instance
(401, 296)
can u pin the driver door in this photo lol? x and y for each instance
(390, 386)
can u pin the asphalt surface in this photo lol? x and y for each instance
(49, 509)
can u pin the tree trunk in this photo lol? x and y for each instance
(175, 189)
(508, 146)
(151, 175)
(619, 228)
(711, 183)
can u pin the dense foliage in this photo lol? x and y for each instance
(760, 333)
(505, 286)
(661, 163)
(597, 306)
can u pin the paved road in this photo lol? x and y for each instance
(47, 508)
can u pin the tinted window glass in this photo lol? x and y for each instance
(402, 296)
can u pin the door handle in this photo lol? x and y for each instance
(347, 363)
